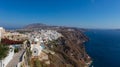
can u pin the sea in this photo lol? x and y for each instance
(103, 47)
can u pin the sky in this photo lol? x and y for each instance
(103, 14)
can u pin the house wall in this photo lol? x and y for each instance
(0, 35)
(0, 63)
(2, 31)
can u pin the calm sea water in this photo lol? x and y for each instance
(104, 47)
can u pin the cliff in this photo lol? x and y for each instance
(69, 49)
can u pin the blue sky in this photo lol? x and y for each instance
(75, 13)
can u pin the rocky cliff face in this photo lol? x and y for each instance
(69, 49)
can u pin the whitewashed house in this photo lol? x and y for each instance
(37, 40)
(2, 31)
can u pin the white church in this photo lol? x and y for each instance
(37, 47)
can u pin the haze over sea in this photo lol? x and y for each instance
(104, 47)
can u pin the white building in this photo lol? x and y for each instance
(16, 36)
(0, 36)
(2, 31)
(36, 48)
(37, 40)
(6, 60)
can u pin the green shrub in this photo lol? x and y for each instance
(16, 50)
(4, 50)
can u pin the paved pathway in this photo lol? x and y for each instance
(16, 59)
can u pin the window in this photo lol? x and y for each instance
(34, 51)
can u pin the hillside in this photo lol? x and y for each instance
(37, 26)
(69, 49)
